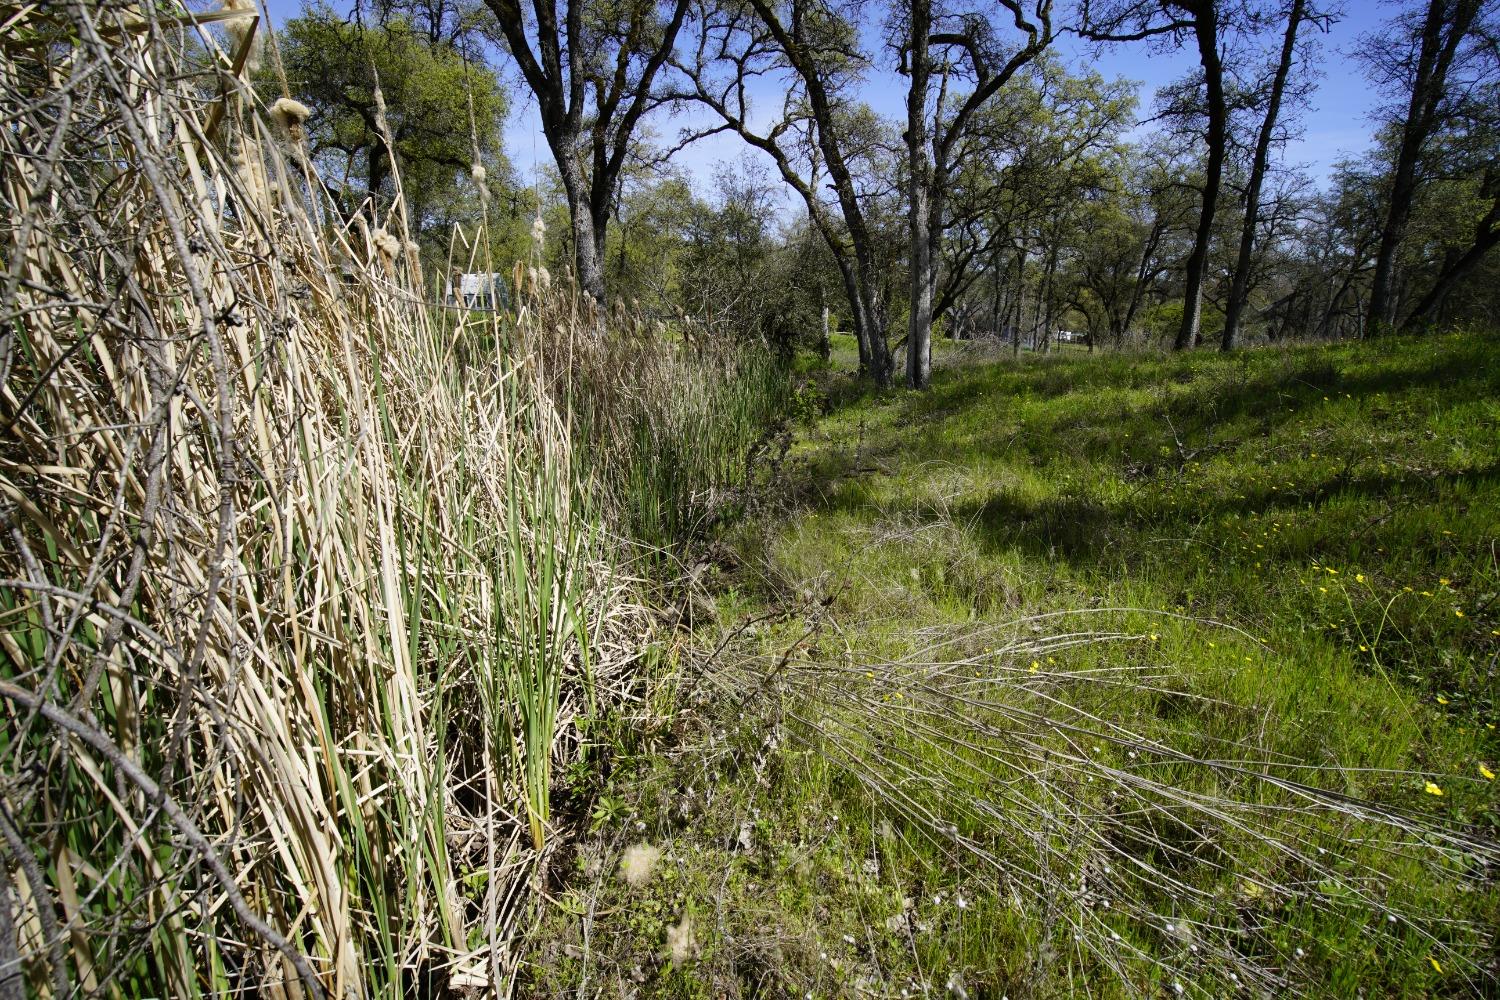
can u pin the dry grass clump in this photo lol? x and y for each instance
(297, 610)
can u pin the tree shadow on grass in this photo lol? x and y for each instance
(1226, 400)
(1088, 533)
(1222, 396)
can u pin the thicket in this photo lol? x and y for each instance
(307, 588)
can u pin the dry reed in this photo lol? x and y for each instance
(297, 609)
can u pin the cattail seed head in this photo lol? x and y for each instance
(242, 28)
(385, 244)
(289, 115)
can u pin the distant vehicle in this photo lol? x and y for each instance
(481, 290)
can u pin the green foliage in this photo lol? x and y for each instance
(430, 91)
(1302, 541)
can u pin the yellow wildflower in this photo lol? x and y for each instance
(1433, 789)
(1486, 773)
(1435, 964)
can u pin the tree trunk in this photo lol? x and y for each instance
(600, 223)
(1206, 30)
(1046, 299)
(995, 310)
(1429, 80)
(589, 268)
(856, 314)
(919, 186)
(1020, 302)
(1239, 285)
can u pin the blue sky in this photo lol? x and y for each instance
(1335, 126)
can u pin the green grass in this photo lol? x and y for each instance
(1287, 560)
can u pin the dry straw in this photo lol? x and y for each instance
(296, 608)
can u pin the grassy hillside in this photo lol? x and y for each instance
(1084, 676)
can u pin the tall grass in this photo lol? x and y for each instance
(668, 424)
(297, 610)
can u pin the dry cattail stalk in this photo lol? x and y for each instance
(221, 596)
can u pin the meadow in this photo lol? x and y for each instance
(1082, 675)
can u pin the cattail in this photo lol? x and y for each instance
(255, 187)
(241, 28)
(543, 277)
(479, 174)
(386, 245)
(289, 116)
(538, 230)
